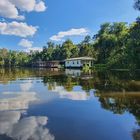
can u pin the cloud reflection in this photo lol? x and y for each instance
(12, 121)
(24, 129)
(72, 95)
(26, 86)
(20, 101)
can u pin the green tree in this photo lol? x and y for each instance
(67, 49)
(137, 5)
(110, 40)
(47, 52)
(134, 44)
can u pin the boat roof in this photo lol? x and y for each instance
(80, 58)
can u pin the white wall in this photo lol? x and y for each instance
(73, 63)
(77, 63)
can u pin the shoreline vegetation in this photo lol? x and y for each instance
(116, 46)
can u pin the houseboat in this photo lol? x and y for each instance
(79, 62)
(46, 64)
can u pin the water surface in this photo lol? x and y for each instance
(39, 104)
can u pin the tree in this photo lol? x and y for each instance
(86, 40)
(56, 55)
(87, 48)
(137, 5)
(47, 52)
(110, 39)
(67, 49)
(134, 44)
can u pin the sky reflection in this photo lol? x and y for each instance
(76, 94)
(64, 106)
(12, 125)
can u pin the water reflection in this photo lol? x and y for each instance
(26, 86)
(136, 134)
(27, 128)
(68, 82)
(113, 93)
(14, 124)
(103, 81)
(119, 103)
(79, 73)
(18, 100)
(76, 94)
(73, 72)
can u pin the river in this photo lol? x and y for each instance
(40, 104)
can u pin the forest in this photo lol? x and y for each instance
(115, 46)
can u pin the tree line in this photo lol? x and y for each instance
(116, 45)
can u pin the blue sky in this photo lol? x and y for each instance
(29, 25)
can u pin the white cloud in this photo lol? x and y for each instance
(71, 32)
(24, 5)
(11, 8)
(17, 28)
(29, 5)
(26, 43)
(39, 7)
(8, 10)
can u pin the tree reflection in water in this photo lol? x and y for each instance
(120, 104)
(136, 134)
(118, 92)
